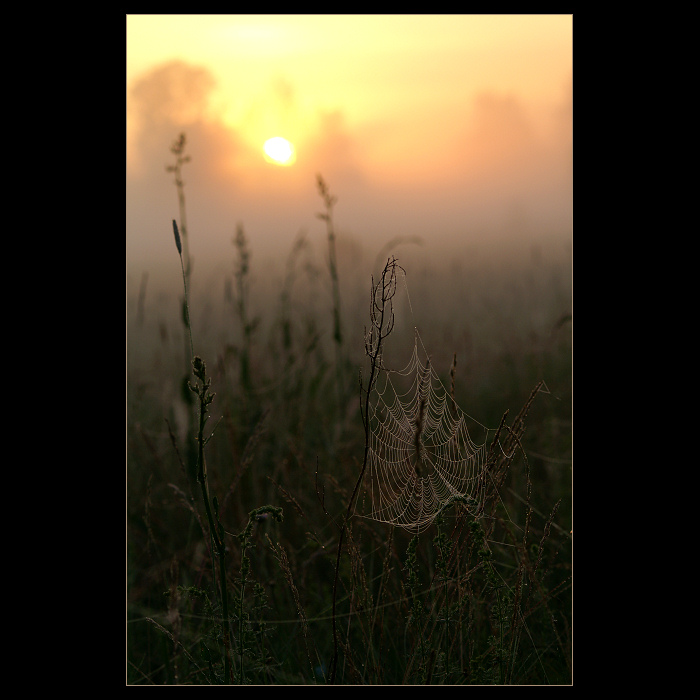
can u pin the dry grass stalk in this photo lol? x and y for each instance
(281, 556)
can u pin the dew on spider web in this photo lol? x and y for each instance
(424, 451)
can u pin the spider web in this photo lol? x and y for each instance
(424, 451)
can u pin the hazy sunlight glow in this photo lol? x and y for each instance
(279, 151)
(455, 128)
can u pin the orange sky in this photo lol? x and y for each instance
(454, 127)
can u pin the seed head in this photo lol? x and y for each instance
(199, 368)
(177, 237)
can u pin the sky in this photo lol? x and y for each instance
(457, 129)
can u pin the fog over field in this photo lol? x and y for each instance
(437, 150)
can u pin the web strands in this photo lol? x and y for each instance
(421, 454)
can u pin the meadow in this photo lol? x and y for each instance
(249, 559)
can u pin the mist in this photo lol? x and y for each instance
(493, 179)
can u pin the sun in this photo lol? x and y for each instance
(279, 151)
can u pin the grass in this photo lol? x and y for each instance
(243, 563)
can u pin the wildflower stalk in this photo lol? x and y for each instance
(327, 216)
(244, 539)
(248, 325)
(205, 396)
(181, 239)
(382, 323)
